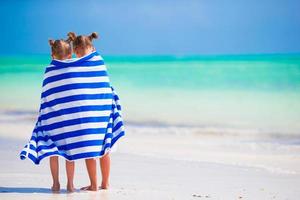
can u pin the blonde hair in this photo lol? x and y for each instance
(60, 49)
(82, 42)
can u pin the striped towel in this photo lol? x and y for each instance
(80, 114)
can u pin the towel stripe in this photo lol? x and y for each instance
(75, 69)
(74, 86)
(75, 110)
(75, 98)
(71, 122)
(73, 75)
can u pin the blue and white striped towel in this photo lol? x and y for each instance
(80, 114)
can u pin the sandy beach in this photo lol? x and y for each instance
(149, 164)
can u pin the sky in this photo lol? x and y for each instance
(154, 27)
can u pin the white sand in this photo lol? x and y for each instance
(163, 163)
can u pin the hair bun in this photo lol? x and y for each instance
(94, 35)
(72, 36)
(51, 42)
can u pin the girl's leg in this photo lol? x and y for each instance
(105, 170)
(92, 171)
(54, 172)
(70, 166)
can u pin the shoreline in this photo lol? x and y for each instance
(29, 117)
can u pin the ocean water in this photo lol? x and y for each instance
(241, 93)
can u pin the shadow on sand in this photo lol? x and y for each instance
(27, 190)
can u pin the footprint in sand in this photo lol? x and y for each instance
(199, 196)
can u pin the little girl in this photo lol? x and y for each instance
(60, 50)
(83, 47)
(79, 115)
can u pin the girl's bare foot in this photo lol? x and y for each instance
(104, 186)
(70, 188)
(55, 187)
(89, 188)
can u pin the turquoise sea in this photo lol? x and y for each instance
(238, 92)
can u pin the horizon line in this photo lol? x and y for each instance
(166, 55)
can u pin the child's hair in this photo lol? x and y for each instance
(82, 42)
(61, 49)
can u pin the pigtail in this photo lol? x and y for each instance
(71, 36)
(94, 35)
(51, 42)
